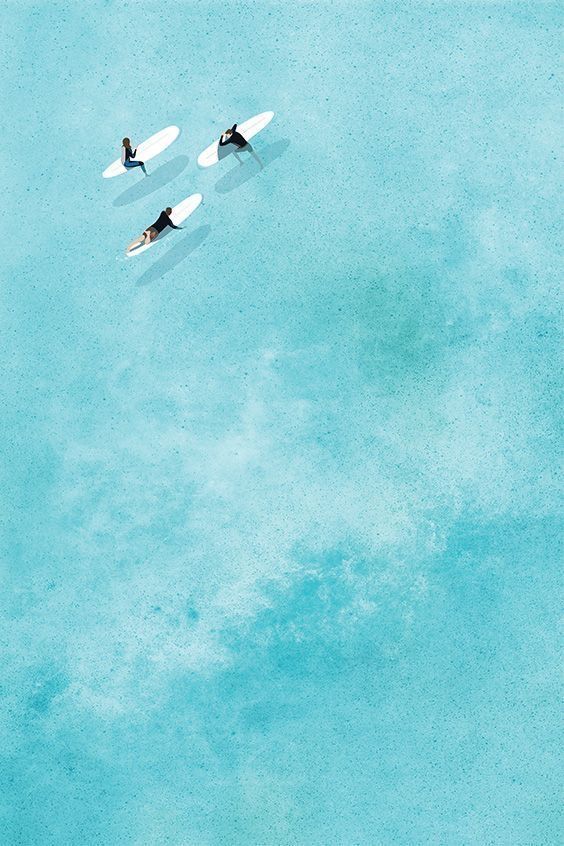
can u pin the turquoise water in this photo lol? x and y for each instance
(280, 498)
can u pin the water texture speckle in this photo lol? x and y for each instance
(281, 516)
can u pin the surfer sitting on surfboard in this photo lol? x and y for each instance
(231, 136)
(153, 231)
(128, 156)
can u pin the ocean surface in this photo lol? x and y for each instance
(281, 538)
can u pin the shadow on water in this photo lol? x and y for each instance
(176, 255)
(242, 173)
(225, 151)
(145, 186)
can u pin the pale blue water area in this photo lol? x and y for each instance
(280, 534)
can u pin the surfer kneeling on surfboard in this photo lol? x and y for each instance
(128, 156)
(231, 136)
(155, 229)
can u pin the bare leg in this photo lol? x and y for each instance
(238, 157)
(255, 156)
(135, 243)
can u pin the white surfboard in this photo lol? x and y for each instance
(146, 150)
(178, 215)
(248, 129)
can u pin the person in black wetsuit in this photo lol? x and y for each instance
(231, 136)
(128, 156)
(155, 229)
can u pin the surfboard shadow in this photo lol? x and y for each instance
(237, 176)
(158, 178)
(176, 255)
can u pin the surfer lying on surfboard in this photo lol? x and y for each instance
(128, 156)
(154, 230)
(231, 136)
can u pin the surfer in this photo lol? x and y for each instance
(153, 231)
(231, 136)
(128, 156)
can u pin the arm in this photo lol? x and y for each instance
(171, 224)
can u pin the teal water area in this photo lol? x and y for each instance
(280, 537)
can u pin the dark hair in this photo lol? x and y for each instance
(168, 210)
(126, 142)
